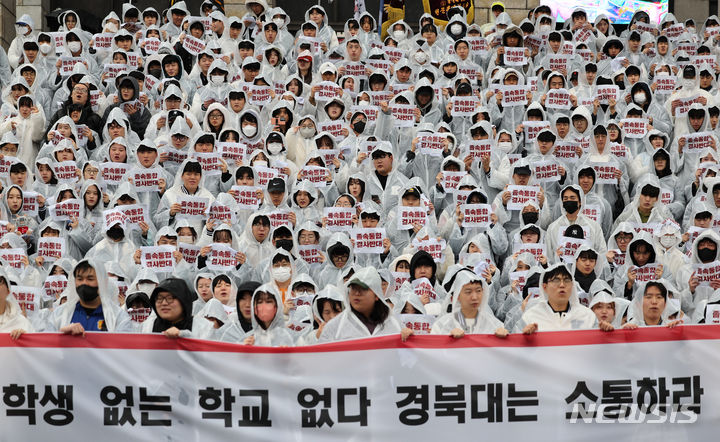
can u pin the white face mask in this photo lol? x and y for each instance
(111, 27)
(505, 146)
(661, 74)
(307, 132)
(544, 29)
(186, 239)
(281, 274)
(363, 103)
(44, 48)
(399, 35)
(455, 29)
(639, 98)
(667, 241)
(275, 148)
(260, 163)
(420, 57)
(688, 83)
(21, 30)
(691, 29)
(74, 46)
(217, 79)
(279, 22)
(249, 131)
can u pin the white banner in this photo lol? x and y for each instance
(154, 388)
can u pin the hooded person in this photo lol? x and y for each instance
(573, 200)
(367, 313)
(126, 195)
(641, 251)
(171, 302)
(25, 31)
(91, 304)
(704, 251)
(558, 307)
(689, 79)
(646, 207)
(12, 318)
(696, 120)
(470, 312)
(187, 182)
(255, 240)
(268, 321)
(340, 258)
(115, 246)
(208, 322)
(651, 305)
(128, 100)
(606, 307)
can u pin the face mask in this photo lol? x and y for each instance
(707, 255)
(449, 74)
(249, 131)
(363, 103)
(420, 57)
(691, 29)
(279, 22)
(571, 206)
(260, 163)
(530, 217)
(217, 79)
(111, 27)
(157, 73)
(281, 274)
(86, 293)
(21, 30)
(399, 35)
(620, 85)
(505, 146)
(275, 148)
(265, 312)
(639, 98)
(307, 132)
(286, 244)
(455, 29)
(667, 241)
(688, 83)
(74, 46)
(115, 233)
(146, 287)
(359, 127)
(186, 239)
(544, 29)
(45, 48)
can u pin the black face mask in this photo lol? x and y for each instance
(286, 244)
(449, 74)
(620, 85)
(116, 233)
(530, 217)
(571, 206)
(359, 127)
(87, 293)
(157, 73)
(707, 255)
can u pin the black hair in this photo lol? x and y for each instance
(559, 270)
(192, 167)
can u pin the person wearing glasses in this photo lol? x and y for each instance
(558, 307)
(171, 302)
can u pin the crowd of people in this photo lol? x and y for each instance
(219, 177)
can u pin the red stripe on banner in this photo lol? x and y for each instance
(543, 339)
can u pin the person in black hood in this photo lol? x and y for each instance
(128, 100)
(243, 301)
(422, 265)
(172, 302)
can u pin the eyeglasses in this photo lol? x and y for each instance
(341, 257)
(165, 299)
(623, 238)
(215, 116)
(560, 281)
(80, 89)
